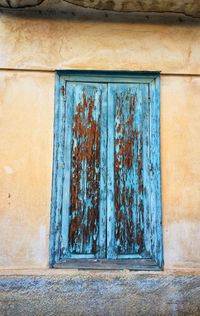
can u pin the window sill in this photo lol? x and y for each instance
(105, 264)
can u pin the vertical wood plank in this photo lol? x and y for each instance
(85, 173)
(57, 182)
(84, 210)
(155, 176)
(103, 173)
(66, 199)
(110, 177)
(125, 202)
(54, 174)
(146, 170)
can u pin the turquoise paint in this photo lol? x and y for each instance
(56, 198)
(110, 179)
(90, 228)
(127, 105)
(145, 86)
(103, 175)
(67, 168)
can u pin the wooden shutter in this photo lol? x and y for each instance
(106, 201)
(127, 153)
(84, 194)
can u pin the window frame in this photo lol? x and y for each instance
(151, 78)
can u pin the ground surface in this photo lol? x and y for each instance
(100, 293)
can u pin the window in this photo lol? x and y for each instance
(106, 202)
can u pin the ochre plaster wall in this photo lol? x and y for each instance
(26, 128)
(180, 163)
(26, 131)
(81, 44)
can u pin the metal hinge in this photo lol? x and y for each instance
(63, 93)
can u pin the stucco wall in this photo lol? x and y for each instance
(112, 43)
(26, 153)
(30, 50)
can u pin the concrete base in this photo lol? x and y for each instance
(100, 293)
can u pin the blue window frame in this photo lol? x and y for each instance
(106, 190)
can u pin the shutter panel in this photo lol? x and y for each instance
(127, 153)
(84, 195)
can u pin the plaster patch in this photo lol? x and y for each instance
(8, 170)
(40, 255)
(181, 244)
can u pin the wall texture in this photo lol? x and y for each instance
(30, 50)
(63, 43)
(99, 294)
(26, 159)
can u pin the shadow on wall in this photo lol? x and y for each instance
(67, 11)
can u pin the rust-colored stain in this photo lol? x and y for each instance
(140, 175)
(85, 176)
(128, 185)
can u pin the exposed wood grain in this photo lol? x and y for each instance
(57, 181)
(128, 104)
(85, 147)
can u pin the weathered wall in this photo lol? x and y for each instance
(99, 294)
(42, 43)
(26, 159)
(26, 105)
(180, 158)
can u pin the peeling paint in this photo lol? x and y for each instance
(128, 195)
(85, 177)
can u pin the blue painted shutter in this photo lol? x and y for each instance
(105, 203)
(127, 152)
(84, 194)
